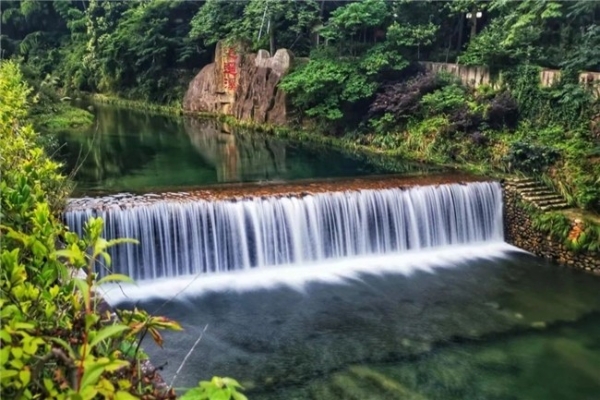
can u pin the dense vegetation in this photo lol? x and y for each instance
(58, 341)
(356, 74)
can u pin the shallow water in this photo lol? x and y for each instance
(133, 151)
(469, 322)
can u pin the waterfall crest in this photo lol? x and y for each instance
(181, 238)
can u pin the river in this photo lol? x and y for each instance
(378, 294)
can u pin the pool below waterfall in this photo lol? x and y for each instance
(376, 293)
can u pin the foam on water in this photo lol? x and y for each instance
(338, 271)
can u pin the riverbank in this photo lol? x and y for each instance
(394, 158)
(132, 104)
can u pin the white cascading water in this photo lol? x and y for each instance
(182, 238)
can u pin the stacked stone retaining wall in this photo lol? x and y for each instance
(519, 231)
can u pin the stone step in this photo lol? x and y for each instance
(520, 179)
(551, 207)
(550, 201)
(536, 190)
(544, 197)
(523, 185)
(539, 193)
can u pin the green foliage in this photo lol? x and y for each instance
(324, 87)
(446, 100)
(584, 236)
(61, 116)
(216, 389)
(28, 174)
(530, 158)
(56, 344)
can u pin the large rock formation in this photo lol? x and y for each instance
(241, 84)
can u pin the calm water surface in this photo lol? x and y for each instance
(508, 327)
(137, 152)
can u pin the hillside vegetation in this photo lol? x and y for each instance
(357, 73)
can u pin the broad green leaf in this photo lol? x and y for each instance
(91, 375)
(238, 396)
(25, 376)
(121, 395)
(8, 373)
(107, 332)
(4, 355)
(84, 288)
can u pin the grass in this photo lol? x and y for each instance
(174, 109)
(62, 116)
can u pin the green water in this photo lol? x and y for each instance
(558, 363)
(138, 152)
(510, 327)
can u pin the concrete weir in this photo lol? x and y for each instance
(230, 229)
(243, 191)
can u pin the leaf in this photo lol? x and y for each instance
(231, 382)
(223, 394)
(238, 396)
(9, 373)
(84, 288)
(25, 376)
(4, 335)
(107, 332)
(194, 394)
(121, 395)
(91, 375)
(65, 346)
(115, 278)
(74, 256)
(4, 355)
(156, 336)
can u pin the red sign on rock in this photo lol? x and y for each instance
(230, 70)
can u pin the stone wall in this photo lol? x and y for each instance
(475, 75)
(241, 84)
(519, 231)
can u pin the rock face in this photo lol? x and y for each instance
(241, 84)
(519, 231)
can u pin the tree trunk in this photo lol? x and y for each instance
(473, 24)
(271, 38)
(461, 25)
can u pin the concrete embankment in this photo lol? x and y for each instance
(235, 192)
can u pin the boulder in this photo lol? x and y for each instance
(241, 84)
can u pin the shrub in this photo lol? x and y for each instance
(530, 158)
(445, 100)
(503, 111)
(28, 174)
(403, 99)
(55, 342)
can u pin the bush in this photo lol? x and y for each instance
(530, 158)
(445, 100)
(403, 99)
(503, 111)
(55, 342)
(29, 176)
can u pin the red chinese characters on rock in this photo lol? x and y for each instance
(230, 70)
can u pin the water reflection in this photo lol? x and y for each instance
(236, 156)
(137, 152)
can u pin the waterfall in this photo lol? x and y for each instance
(181, 238)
